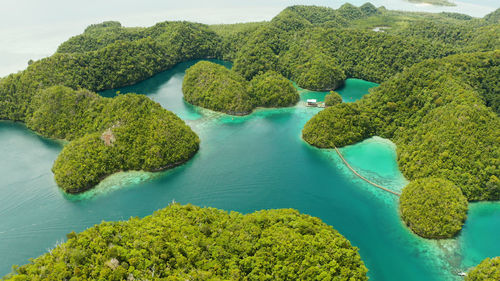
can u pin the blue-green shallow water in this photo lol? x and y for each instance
(481, 235)
(352, 90)
(244, 164)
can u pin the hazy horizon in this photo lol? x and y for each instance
(33, 29)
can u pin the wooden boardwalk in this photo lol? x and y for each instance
(363, 178)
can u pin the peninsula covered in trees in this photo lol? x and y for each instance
(192, 243)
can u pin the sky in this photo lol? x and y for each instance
(32, 29)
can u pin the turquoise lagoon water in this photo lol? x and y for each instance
(352, 90)
(244, 164)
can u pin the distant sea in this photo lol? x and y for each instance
(32, 29)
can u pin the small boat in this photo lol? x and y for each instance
(462, 274)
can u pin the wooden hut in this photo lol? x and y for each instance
(312, 102)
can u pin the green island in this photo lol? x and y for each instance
(332, 99)
(215, 87)
(487, 270)
(434, 2)
(131, 133)
(433, 208)
(193, 243)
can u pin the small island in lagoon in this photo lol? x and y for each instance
(438, 102)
